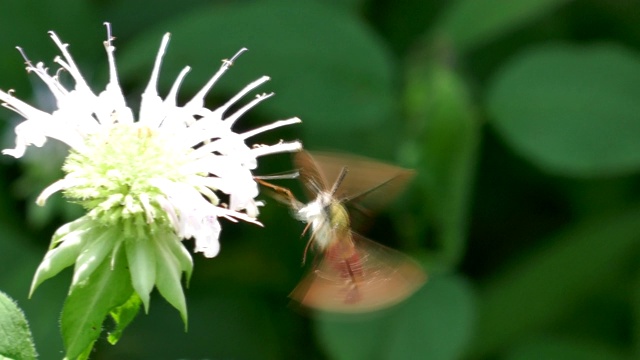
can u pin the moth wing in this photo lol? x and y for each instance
(381, 278)
(312, 177)
(368, 186)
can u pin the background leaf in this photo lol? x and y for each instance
(571, 110)
(563, 349)
(445, 136)
(534, 293)
(471, 23)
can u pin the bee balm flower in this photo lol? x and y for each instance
(147, 184)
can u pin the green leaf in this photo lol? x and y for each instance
(16, 341)
(123, 316)
(66, 244)
(296, 47)
(169, 274)
(77, 226)
(471, 23)
(99, 244)
(59, 258)
(445, 134)
(89, 303)
(571, 110)
(142, 265)
(534, 292)
(183, 256)
(357, 338)
(437, 321)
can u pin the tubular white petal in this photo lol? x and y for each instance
(198, 100)
(201, 131)
(54, 86)
(149, 210)
(70, 65)
(205, 191)
(38, 126)
(226, 138)
(26, 134)
(197, 217)
(61, 184)
(229, 183)
(277, 148)
(252, 209)
(234, 215)
(241, 201)
(10, 107)
(220, 111)
(165, 205)
(209, 244)
(231, 119)
(210, 182)
(111, 102)
(151, 106)
(271, 126)
(172, 97)
(175, 118)
(27, 111)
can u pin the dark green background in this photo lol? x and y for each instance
(522, 119)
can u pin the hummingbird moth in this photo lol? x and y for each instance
(351, 273)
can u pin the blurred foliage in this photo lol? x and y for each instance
(521, 119)
(16, 341)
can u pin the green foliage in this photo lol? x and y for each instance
(113, 275)
(472, 23)
(142, 264)
(169, 268)
(123, 316)
(520, 118)
(444, 137)
(563, 349)
(71, 242)
(572, 110)
(89, 303)
(534, 294)
(16, 341)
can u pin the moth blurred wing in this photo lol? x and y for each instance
(311, 175)
(368, 186)
(380, 277)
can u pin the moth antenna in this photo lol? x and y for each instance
(339, 180)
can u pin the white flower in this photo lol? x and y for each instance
(168, 168)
